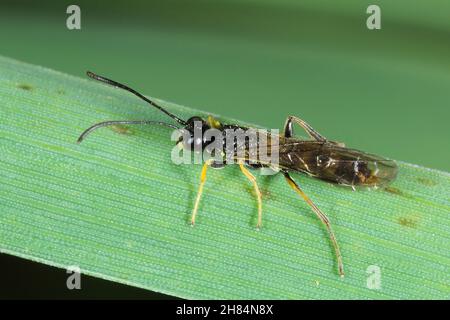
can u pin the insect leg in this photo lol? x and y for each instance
(322, 218)
(289, 130)
(200, 190)
(258, 193)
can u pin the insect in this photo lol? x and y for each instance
(319, 157)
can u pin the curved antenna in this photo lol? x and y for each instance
(110, 123)
(122, 86)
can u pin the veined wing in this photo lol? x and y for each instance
(335, 163)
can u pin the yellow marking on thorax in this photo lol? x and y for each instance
(214, 123)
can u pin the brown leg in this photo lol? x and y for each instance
(289, 130)
(322, 218)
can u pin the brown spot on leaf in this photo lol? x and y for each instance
(410, 222)
(427, 182)
(121, 129)
(25, 86)
(265, 194)
(397, 192)
(393, 190)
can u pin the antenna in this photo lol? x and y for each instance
(110, 123)
(122, 86)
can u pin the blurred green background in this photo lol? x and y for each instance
(383, 91)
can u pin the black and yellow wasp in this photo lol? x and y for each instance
(319, 157)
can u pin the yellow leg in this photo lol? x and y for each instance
(322, 218)
(200, 191)
(258, 193)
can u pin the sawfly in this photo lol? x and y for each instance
(318, 157)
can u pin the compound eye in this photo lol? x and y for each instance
(193, 144)
(190, 142)
(198, 143)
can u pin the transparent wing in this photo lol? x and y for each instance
(327, 161)
(337, 164)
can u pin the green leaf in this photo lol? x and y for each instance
(117, 207)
